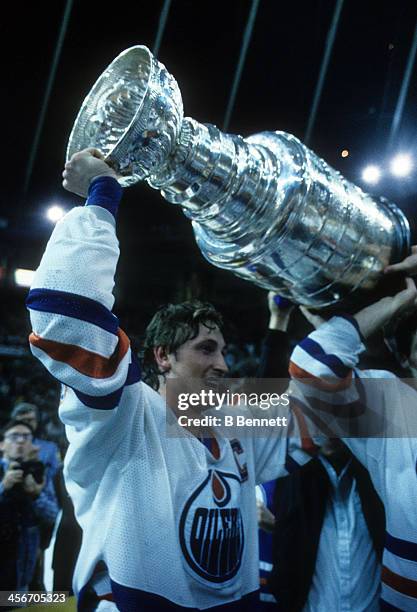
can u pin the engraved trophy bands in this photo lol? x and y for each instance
(265, 207)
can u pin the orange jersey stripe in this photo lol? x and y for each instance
(215, 450)
(85, 362)
(307, 443)
(406, 586)
(320, 383)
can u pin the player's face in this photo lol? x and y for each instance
(201, 358)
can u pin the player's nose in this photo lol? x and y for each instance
(220, 364)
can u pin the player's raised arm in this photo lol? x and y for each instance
(75, 334)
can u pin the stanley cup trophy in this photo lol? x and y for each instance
(265, 207)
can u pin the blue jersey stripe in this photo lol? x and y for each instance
(387, 607)
(135, 600)
(106, 192)
(73, 305)
(331, 361)
(353, 322)
(401, 548)
(100, 402)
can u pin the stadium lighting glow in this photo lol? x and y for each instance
(401, 165)
(23, 277)
(55, 213)
(371, 174)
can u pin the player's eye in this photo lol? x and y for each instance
(207, 349)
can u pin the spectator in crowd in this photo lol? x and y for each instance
(48, 451)
(375, 413)
(49, 455)
(27, 503)
(120, 463)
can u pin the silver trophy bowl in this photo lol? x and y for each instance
(265, 207)
(133, 114)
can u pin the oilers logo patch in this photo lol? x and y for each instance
(211, 528)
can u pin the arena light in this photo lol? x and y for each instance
(23, 277)
(55, 213)
(401, 165)
(371, 174)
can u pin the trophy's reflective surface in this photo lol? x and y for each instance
(265, 207)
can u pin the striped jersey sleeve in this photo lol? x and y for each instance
(327, 356)
(325, 393)
(340, 400)
(74, 332)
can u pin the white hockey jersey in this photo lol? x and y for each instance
(163, 513)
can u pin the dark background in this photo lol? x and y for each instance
(200, 47)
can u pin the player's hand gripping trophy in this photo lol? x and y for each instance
(265, 207)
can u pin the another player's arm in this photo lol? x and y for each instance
(326, 357)
(373, 317)
(75, 334)
(322, 366)
(275, 353)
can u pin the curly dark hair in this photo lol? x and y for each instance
(170, 327)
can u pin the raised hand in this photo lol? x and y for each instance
(82, 168)
(279, 316)
(13, 476)
(31, 487)
(408, 266)
(373, 317)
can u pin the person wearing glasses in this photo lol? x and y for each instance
(48, 451)
(27, 503)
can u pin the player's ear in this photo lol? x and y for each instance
(162, 359)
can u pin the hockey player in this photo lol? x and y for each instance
(174, 521)
(376, 414)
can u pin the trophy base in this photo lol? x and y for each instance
(389, 285)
